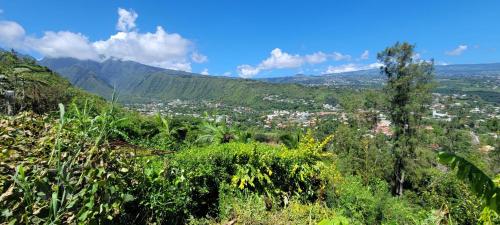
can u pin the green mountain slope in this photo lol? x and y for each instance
(25, 85)
(137, 82)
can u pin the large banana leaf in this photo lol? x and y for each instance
(481, 184)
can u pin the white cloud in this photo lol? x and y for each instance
(457, 51)
(63, 44)
(126, 21)
(351, 67)
(204, 72)
(283, 60)
(11, 34)
(158, 49)
(342, 68)
(51, 44)
(375, 65)
(316, 58)
(162, 49)
(365, 55)
(199, 58)
(339, 56)
(227, 74)
(247, 71)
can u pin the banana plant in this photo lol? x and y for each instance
(481, 184)
(218, 133)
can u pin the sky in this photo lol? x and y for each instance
(253, 39)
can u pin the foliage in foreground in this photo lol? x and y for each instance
(191, 182)
(61, 171)
(481, 184)
(102, 164)
(70, 171)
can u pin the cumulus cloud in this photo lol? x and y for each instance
(227, 74)
(457, 51)
(11, 34)
(365, 55)
(199, 58)
(204, 72)
(160, 48)
(126, 20)
(351, 67)
(279, 59)
(63, 44)
(247, 71)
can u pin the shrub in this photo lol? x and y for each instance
(192, 181)
(373, 204)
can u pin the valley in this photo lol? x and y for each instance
(249, 112)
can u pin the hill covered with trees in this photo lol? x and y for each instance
(138, 82)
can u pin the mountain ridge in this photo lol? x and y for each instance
(137, 82)
(440, 70)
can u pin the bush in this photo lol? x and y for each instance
(250, 208)
(372, 204)
(192, 181)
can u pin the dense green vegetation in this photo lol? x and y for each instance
(86, 161)
(32, 87)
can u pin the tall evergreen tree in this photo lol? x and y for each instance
(408, 91)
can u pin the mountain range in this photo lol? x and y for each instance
(373, 76)
(136, 82)
(139, 82)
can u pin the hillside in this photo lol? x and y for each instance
(32, 87)
(137, 82)
(481, 80)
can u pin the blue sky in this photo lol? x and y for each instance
(253, 38)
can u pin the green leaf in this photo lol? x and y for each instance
(339, 220)
(61, 112)
(481, 184)
(84, 215)
(54, 202)
(128, 197)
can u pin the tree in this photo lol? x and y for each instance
(408, 92)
